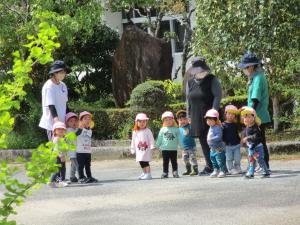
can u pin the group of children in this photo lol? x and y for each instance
(80, 158)
(223, 139)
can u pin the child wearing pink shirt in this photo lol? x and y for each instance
(142, 144)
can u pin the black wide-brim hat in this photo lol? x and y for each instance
(59, 65)
(249, 59)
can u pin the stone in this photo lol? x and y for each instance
(139, 57)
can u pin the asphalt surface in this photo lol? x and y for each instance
(119, 198)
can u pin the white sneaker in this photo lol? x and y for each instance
(52, 184)
(62, 184)
(140, 177)
(234, 172)
(239, 170)
(147, 176)
(214, 174)
(221, 174)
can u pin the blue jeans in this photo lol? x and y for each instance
(257, 154)
(218, 159)
(233, 156)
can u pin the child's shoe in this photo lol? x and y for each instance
(188, 170)
(205, 172)
(234, 172)
(147, 176)
(52, 184)
(265, 175)
(195, 171)
(82, 180)
(239, 170)
(175, 174)
(221, 174)
(164, 175)
(140, 177)
(73, 179)
(91, 180)
(249, 176)
(214, 174)
(62, 184)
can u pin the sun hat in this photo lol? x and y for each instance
(141, 116)
(57, 66)
(84, 113)
(249, 59)
(246, 110)
(70, 115)
(167, 114)
(57, 125)
(231, 109)
(212, 113)
(198, 65)
(181, 113)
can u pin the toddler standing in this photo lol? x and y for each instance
(253, 139)
(57, 179)
(84, 148)
(142, 144)
(167, 142)
(232, 140)
(216, 145)
(188, 144)
(72, 124)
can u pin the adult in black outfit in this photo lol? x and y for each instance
(203, 92)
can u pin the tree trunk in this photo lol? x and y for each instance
(276, 111)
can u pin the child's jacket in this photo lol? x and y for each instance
(168, 139)
(142, 144)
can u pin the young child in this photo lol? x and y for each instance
(167, 142)
(72, 124)
(253, 139)
(57, 179)
(214, 140)
(188, 143)
(142, 144)
(232, 140)
(83, 147)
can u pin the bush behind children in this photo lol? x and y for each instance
(223, 139)
(81, 158)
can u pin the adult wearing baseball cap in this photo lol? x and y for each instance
(54, 97)
(203, 92)
(258, 93)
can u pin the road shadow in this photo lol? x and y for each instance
(284, 173)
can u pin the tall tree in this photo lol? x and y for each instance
(270, 28)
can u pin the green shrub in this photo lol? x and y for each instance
(238, 101)
(149, 96)
(174, 91)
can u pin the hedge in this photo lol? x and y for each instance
(116, 123)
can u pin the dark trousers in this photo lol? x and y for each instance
(264, 142)
(61, 172)
(205, 149)
(167, 156)
(144, 164)
(84, 163)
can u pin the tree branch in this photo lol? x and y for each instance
(14, 11)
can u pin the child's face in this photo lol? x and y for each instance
(142, 124)
(182, 121)
(168, 121)
(72, 122)
(86, 121)
(249, 120)
(230, 117)
(59, 132)
(210, 122)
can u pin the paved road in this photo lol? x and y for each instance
(121, 199)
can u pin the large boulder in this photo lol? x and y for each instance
(139, 57)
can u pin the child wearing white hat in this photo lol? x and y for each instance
(142, 144)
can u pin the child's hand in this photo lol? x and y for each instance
(244, 139)
(62, 158)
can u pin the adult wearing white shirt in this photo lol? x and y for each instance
(54, 97)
